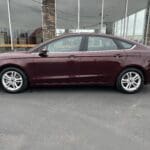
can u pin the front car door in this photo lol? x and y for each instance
(101, 60)
(61, 64)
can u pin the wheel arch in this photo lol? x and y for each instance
(15, 66)
(136, 67)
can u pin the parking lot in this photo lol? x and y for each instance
(75, 118)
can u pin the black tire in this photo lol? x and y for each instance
(19, 71)
(121, 88)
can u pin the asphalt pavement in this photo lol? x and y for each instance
(75, 118)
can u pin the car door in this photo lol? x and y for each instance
(61, 63)
(101, 61)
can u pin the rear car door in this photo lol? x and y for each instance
(101, 60)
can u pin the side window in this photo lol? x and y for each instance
(96, 43)
(67, 44)
(125, 45)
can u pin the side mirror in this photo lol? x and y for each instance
(43, 53)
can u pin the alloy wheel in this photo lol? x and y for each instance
(12, 80)
(131, 81)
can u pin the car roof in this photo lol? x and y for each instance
(94, 34)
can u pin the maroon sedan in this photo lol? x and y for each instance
(81, 59)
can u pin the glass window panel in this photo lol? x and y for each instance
(26, 22)
(119, 28)
(4, 26)
(139, 30)
(66, 16)
(131, 25)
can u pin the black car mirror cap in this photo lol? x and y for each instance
(43, 53)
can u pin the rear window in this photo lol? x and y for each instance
(125, 45)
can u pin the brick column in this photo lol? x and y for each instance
(48, 9)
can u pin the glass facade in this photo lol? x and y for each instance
(26, 23)
(79, 16)
(135, 26)
(4, 26)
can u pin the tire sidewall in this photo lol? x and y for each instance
(24, 77)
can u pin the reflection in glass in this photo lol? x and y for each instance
(26, 22)
(4, 26)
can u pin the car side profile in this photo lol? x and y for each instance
(78, 59)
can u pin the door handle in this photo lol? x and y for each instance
(118, 56)
(72, 57)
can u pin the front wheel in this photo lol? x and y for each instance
(130, 81)
(13, 80)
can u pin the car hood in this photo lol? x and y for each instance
(14, 55)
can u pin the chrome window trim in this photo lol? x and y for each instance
(85, 51)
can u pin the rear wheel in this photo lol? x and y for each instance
(131, 80)
(13, 80)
